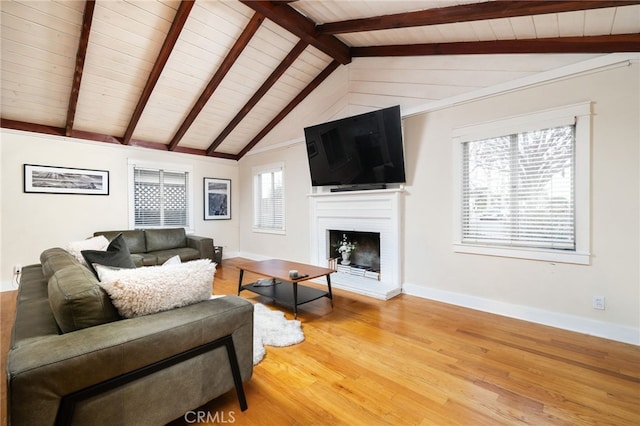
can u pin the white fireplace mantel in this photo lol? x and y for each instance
(364, 211)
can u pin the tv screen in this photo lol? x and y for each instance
(360, 150)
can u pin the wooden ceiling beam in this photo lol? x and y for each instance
(169, 42)
(80, 57)
(290, 106)
(24, 126)
(464, 13)
(592, 44)
(100, 137)
(221, 72)
(302, 27)
(268, 83)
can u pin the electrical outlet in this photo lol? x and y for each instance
(17, 269)
(598, 302)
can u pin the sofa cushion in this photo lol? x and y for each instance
(137, 259)
(77, 301)
(148, 259)
(33, 317)
(117, 254)
(134, 238)
(152, 289)
(186, 254)
(165, 239)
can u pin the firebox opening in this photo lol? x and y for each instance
(366, 255)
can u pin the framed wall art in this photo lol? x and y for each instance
(217, 198)
(65, 180)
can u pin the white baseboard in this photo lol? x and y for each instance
(253, 256)
(591, 327)
(8, 286)
(230, 255)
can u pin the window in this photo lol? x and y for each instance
(520, 193)
(268, 199)
(160, 196)
(518, 189)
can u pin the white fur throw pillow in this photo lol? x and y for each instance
(175, 260)
(151, 289)
(94, 243)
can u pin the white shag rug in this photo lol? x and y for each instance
(272, 328)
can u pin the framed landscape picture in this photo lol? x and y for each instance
(217, 198)
(65, 180)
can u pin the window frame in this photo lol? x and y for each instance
(580, 114)
(255, 173)
(170, 167)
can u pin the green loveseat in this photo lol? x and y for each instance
(105, 370)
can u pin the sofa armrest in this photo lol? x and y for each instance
(58, 365)
(203, 244)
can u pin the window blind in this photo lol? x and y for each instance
(518, 189)
(160, 198)
(269, 200)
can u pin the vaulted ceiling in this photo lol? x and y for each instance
(216, 77)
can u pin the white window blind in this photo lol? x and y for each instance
(269, 199)
(161, 198)
(518, 190)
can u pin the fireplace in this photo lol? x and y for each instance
(371, 221)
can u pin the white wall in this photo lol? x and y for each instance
(294, 244)
(33, 222)
(553, 293)
(550, 293)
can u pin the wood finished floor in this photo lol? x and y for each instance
(411, 361)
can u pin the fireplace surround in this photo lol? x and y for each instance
(374, 211)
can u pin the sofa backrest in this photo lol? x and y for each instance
(165, 239)
(134, 239)
(149, 240)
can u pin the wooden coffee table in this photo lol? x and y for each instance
(282, 288)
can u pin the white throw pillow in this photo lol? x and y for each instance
(94, 243)
(175, 260)
(151, 289)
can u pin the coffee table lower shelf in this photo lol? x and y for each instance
(283, 292)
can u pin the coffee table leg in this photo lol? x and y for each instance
(329, 286)
(240, 281)
(295, 300)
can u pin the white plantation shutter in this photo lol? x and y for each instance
(518, 189)
(269, 198)
(160, 198)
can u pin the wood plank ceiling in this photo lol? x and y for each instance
(214, 77)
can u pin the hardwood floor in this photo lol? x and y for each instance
(411, 361)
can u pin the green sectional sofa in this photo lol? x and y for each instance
(155, 246)
(74, 360)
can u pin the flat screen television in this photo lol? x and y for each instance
(361, 150)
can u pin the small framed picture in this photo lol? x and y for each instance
(65, 180)
(217, 198)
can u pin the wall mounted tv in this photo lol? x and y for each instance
(363, 150)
